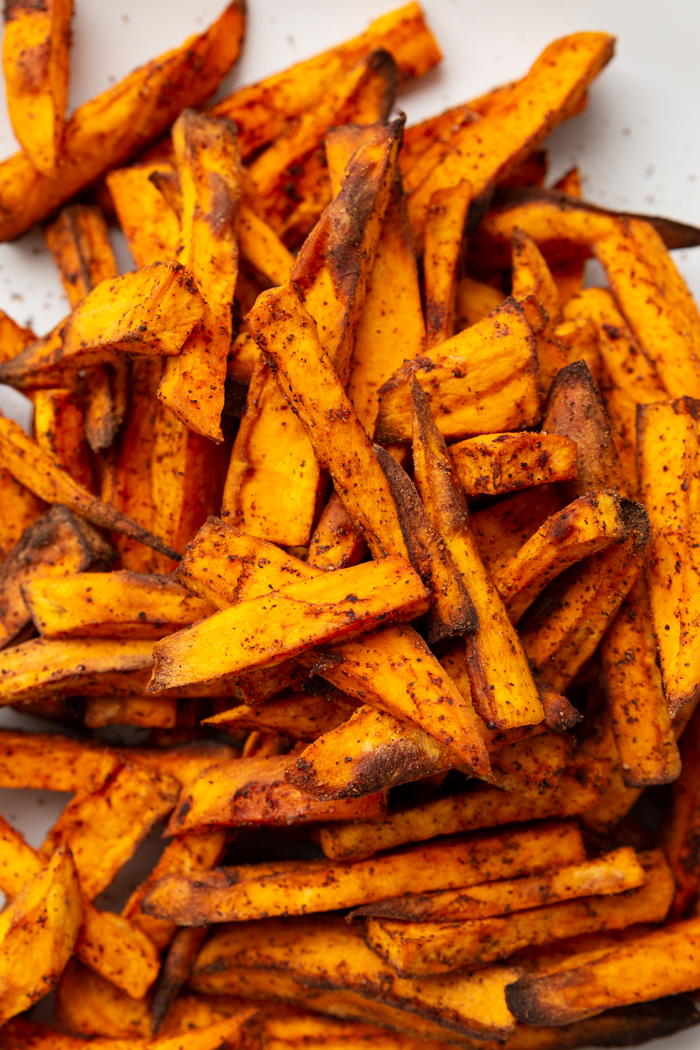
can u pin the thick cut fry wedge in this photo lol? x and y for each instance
(117, 124)
(503, 528)
(393, 669)
(118, 950)
(562, 629)
(37, 934)
(79, 241)
(590, 524)
(483, 380)
(503, 689)
(89, 1004)
(300, 716)
(184, 762)
(152, 712)
(575, 410)
(531, 276)
(451, 612)
(578, 789)
(326, 953)
(474, 300)
(489, 466)
(276, 496)
(56, 545)
(580, 342)
(253, 791)
(668, 452)
(422, 949)
(532, 766)
(333, 429)
(663, 962)
(391, 328)
(59, 430)
(176, 969)
(147, 313)
(110, 605)
(43, 476)
(656, 302)
(628, 377)
(193, 852)
(44, 668)
(488, 151)
(207, 162)
(19, 863)
(298, 619)
(35, 58)
(309, 886)
(336, 542)
(679, 836)
(104, 829)
(369, 752)
(611, 873)
(51, 762)
(263, 110)
(634, 693)
(150, 226)
(418, 138)
(444, 226)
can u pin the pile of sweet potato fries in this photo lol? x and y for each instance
(384, 530)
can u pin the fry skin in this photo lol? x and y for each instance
(114, 126)
(35, 58)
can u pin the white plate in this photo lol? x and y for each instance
(637, 144)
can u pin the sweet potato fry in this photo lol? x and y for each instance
(668, 451)
(422, 949)
(150, 226)
(663, 962)
(253, 791)
(501, 529)
(89, 1004)
(590, 524)
(531, 276)
(298, 619)
(323, 952)
(184, 762)
(391, 328)
(489, 150)
(575, 410)
(110, 605)
(176, 969)
(51, 762)
(489, 466)
(193, 852)
(370, 751)
(207, 162)
(152, 712)
(37, 934)
(679, 836)
(56, 544)
(300, 716)
(483, 380)
(503, 690)
(532, 766)
(656, 302)
(263, 110)
(232, 894)
(562, 629)
(336, 542)
(276, 496)
(112, 127)
(578, 789)
(444, 226)
(59, 430)
(43, 476)
(451, 612)
(35, 58)
(579, 340)
(418, 138)
(79, 242)
(634, 693)
(149, 313)
(340, 443)
(611, 873)
(104, 829)
(628, 377)
(474, 300)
